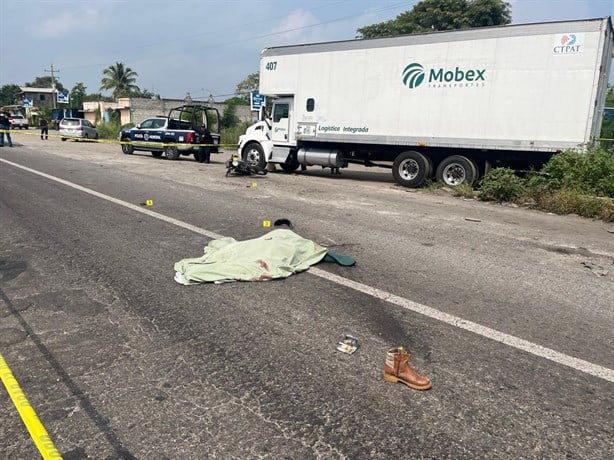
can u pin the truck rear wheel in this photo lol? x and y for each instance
(127, 148)
(254, 155)
(411, 169)
(456, 170)
(172, 152)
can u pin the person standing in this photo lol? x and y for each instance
(204, 151)
(44, 124)
(5, 129)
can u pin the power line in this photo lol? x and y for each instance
(234, 42)
(247, 39)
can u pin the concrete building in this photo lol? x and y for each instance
(135, 110)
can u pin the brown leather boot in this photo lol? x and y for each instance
(397, 369)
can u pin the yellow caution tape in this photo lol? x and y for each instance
(116, 142)
(28, 415)
(145, 143)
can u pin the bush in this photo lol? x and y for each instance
(590, 173)
(502, 184)
(570, 183)
(108, 130)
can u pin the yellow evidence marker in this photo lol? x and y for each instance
(149, 202)
(266, 223)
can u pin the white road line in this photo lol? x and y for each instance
(501, 337)
(507, 339)
(134, 207)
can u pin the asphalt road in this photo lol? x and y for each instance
(509, 311)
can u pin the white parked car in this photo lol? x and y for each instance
(77, 128)
(19, 121)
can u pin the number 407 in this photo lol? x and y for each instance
(271, 65)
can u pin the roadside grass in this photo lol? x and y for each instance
(464, 191)
(432, 186)
(570, 183)
(573, 202)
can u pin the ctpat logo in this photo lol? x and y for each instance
(568, 44)
(413, 75)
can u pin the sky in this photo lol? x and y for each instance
(201, 47)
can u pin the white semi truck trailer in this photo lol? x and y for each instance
(444, 104)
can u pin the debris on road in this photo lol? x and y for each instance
(597, 270)
(348, 344)
(471, 219)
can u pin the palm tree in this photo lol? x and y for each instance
(120, 79)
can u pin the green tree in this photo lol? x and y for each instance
(144, 93)
(430, 15)
(93, 97)
(9, 94)
(77, 95)
(237, 101)
(229, 119)
(607, 125)
(120, 79)
(251, 83)
(46, 82)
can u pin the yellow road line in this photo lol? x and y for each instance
(28, 415)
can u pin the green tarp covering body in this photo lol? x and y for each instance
(278, 254)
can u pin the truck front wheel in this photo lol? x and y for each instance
(254, 155)
(456, 170)
(411, 169)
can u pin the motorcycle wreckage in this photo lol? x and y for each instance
(238, 167)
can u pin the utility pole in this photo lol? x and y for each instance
(53, 72)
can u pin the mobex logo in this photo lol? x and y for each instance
(414, 75)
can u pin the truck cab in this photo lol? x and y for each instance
(272, 139)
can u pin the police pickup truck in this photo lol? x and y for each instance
(180, 133)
